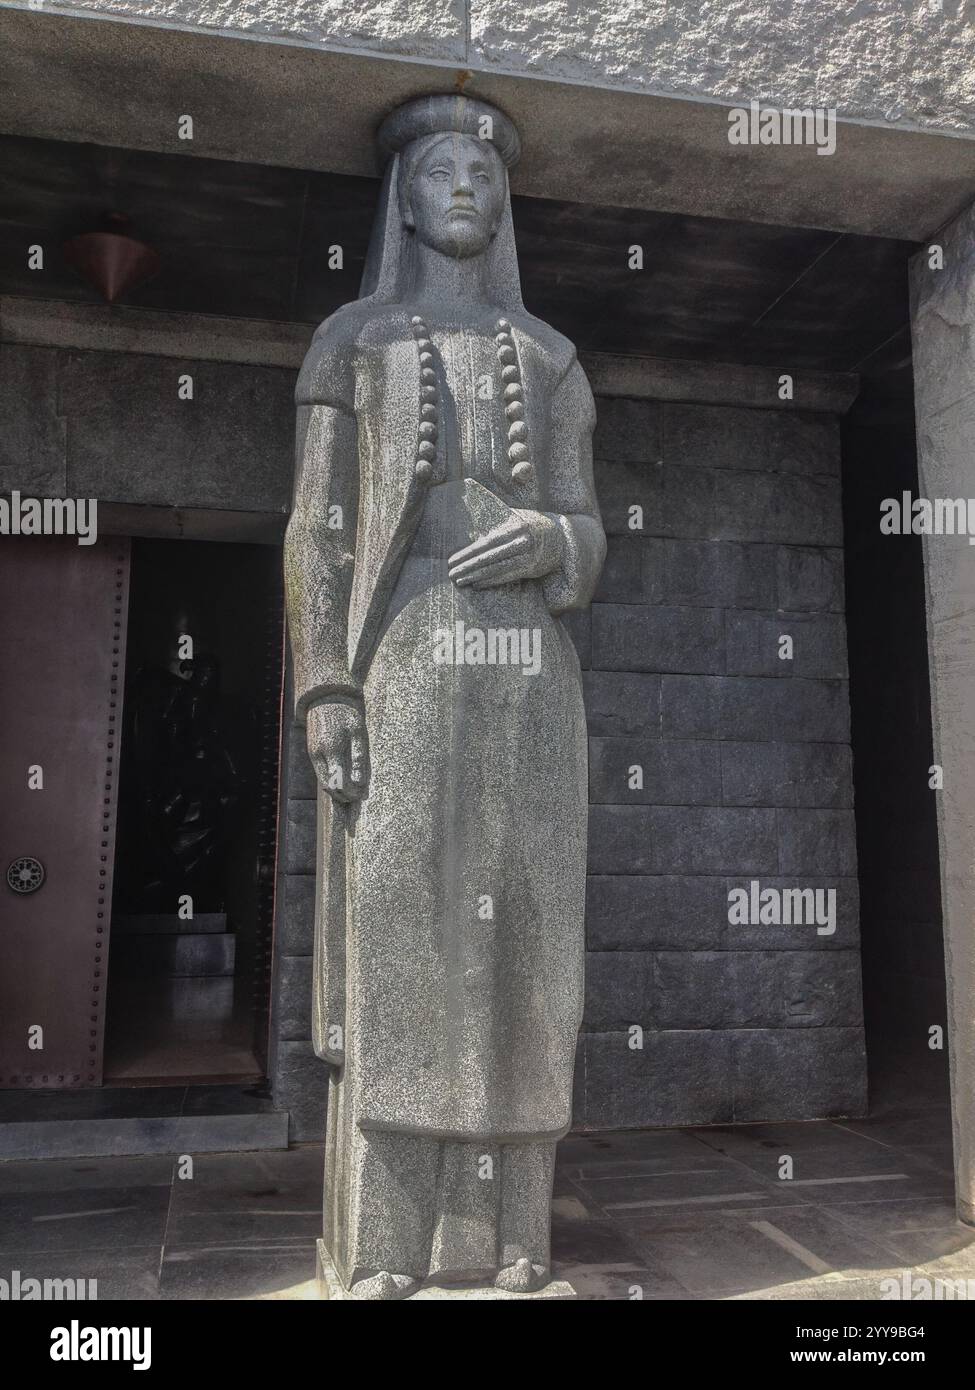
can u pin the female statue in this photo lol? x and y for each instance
(444, 516)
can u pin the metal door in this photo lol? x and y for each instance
(62, 639)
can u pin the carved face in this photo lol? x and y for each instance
(457, 196)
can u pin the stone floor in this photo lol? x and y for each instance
(675, 1214)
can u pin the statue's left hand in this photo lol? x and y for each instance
(526, 546)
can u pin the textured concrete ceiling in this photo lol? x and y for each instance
(283, 104)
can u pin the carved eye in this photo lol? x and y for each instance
(440, 174)
(483, 178)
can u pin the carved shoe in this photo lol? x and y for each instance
(521, 1277)
(385, 1286)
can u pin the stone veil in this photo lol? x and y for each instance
(444, 516)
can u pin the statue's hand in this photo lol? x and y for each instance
(526, 546)
(339, 748)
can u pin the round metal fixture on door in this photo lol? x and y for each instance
(25, 874)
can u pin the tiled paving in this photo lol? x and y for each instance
(675, 1214)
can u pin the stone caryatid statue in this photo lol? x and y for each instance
(444, 516)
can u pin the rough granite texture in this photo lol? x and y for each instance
(942, 330)
(879, 60)
(746, 774)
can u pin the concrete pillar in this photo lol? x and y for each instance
(943, 325)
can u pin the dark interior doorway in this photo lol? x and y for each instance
(193, 903)
(905, 1009)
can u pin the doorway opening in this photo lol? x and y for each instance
(193, 902)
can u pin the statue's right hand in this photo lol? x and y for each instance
(339, 748)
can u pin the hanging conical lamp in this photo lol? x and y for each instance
(112, 260)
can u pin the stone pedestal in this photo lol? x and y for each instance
(330, 1286)
(943, 328)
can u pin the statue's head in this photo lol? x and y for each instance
(452, 193)
(451, 184)
(446, 187)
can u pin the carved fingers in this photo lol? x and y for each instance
(525, 547)
(338, 746)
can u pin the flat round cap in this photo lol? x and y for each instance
(443, 114)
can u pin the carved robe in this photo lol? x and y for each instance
(450, 951)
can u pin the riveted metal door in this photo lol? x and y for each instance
(62, 636)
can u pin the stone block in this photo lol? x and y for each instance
(622, 578)
(291, 1015)
(674, 501)
(678, 773)
(631, 638)
(295, 914)
(766, 441)
(631, 912)
(627, 431)
(757, 989)
(619, 990)
(578, 624)
(621, 703)
(822, 1071)
(786, 774)
(792, 711)
(753, 644)
(776, 507)
(32, 441)
(299, 843)
(708, 574)
(185, 453)
(676, 1078)
(302, 784)
(842, 910)
(816, 842)
(300, 1086)
(684, 840)
(810, 577)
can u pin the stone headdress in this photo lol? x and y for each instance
(403, 138)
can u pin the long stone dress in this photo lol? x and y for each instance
(461, 875)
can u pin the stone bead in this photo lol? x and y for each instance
(513, 392)
(515, 411)
(507, 355)
(521, 471)
(426, 450)
(428, 376)
(518, 432)
(428, 394)
(426, 358)
(428, 411)
(423, 469)
(503, 339)
(428, 430)
(417, 320)
(518, 453)
(510, 374)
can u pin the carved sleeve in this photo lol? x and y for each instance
(320, 542)
(572, 496)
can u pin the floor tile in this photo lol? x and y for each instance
(131, 1273)
(914, 1230)
(236, 1272)
(84, 1218)
(756, 1250)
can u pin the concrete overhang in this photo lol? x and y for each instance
(118, 82)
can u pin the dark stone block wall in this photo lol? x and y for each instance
(746, 774)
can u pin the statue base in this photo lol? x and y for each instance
(331, 1287)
